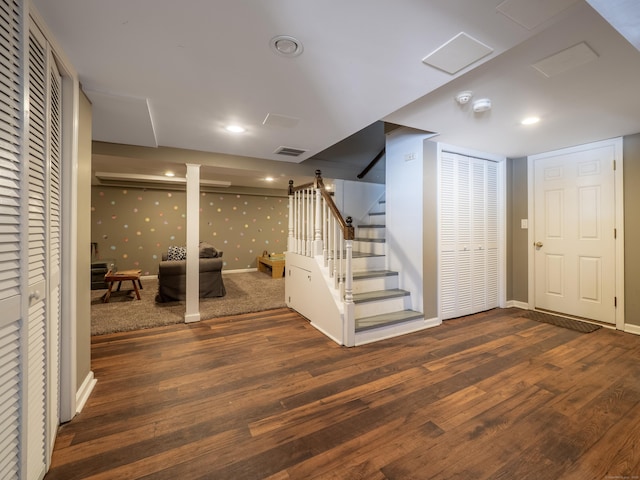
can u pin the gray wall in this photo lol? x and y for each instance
(430, 233)
(631, 155)
(83, 255)
(517, 239)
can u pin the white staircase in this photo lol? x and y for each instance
(379, 303)
(337, 275)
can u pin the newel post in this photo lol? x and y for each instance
(349, 306)
(290, 239)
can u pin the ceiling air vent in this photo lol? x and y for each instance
(289, 151)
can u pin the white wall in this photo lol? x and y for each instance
(404, 210)
(356, 199)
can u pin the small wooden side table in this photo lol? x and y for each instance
(274, 265)
(121, 276)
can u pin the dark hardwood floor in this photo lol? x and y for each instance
(265, 395)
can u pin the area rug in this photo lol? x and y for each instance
(246, 292)
(577, 325)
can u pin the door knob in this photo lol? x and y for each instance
(538, 244)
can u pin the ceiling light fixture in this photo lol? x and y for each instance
(530, 120)
(235, 129)
(482, 105)
(286, 46)
(268, 179)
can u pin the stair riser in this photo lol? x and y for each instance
(364, 232)
(378, 307)
(378, 208)
(373, 284)
(377, 248)
(377, 219)
(368, 263)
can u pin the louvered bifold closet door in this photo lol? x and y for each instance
(37, 322)
(54, 229)
(11, 107)
(468, 199)
(455, 236)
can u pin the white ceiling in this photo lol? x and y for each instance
(162, 73)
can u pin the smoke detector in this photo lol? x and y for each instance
(482, 105)
(464, 97)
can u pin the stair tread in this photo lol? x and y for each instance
(375, 321)
(373, 274)
(377, 213)
(379, 295)
(366, 225)
(373, 240)
(365, 254)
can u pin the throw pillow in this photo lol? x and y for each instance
(177, 253)
(207, 250)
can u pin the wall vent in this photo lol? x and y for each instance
(289, 151)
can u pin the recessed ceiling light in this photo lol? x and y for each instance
(268, 179)
(235, 129)
(169, 174)
(286, 45)
(530, 120)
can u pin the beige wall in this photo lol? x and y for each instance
(430, 233)
(631, 155)
(517, 239)
(135, 226)
(83, 302)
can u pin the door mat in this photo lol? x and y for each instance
(569, 323)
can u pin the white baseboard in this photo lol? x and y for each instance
(324, 332)
(83, 393)
(635, 329)
(517, 304)
(240, 270)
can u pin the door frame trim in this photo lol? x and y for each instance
(616, 143)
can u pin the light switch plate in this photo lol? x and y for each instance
(524, 223)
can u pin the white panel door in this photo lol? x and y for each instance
(574, 210)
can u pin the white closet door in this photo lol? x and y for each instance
(11, 122)
(468, 235)
(54, 196)
(37, 250)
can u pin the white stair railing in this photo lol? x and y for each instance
(317, 228)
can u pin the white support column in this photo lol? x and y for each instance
(192, 312)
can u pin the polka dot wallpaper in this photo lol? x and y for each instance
(135, 227)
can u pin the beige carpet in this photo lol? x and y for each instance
(246, 292)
